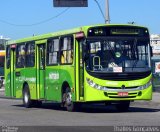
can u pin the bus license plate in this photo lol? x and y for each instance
(122, 93)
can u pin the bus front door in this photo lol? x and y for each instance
(80, 70)
(41, 71)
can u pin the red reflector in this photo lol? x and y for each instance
(13, 46)
(79, 35)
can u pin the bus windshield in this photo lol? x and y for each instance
(118, 55)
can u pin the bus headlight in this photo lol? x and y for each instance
(146, 85)
(94, 85)
(99, 87)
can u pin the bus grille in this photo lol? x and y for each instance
(130, 95)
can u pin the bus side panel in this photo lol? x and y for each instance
(7, 83)
(52, 83)
(55, 78)
(19, 79)
(30, 79)
(67, 75)
(26, 76)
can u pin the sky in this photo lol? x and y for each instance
(25, 18)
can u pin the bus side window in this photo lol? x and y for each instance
(66, 54)
(30, 54)
(20, 56)
(8, 57)
(52, 51)
(63, 56)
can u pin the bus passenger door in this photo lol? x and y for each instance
(41, 70)
(10, 72)
(80, 70)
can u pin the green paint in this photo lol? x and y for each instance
(45, 82)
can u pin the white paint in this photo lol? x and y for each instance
(54, 76)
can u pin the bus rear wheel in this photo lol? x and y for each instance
(123, 106)
(27, 102)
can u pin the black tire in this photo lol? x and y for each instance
(27, 102)
(67, 100)
(123, 106)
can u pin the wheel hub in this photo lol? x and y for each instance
(68, 98)
(26, 98)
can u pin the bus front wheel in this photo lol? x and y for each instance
(26, 97)
(67, 100)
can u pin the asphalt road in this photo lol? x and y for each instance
(12, 113)
(141, 113)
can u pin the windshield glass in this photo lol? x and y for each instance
(120, 55)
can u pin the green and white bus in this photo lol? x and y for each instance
(92, 64)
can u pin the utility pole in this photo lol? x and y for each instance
(107, 21)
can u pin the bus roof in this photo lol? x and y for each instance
(71, 31)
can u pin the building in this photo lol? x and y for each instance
(155, 43)
(2, 42)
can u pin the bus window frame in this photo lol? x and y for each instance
(26, 44)
(20, 44)
(47, 53)
(72, 48)
(8, 56)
